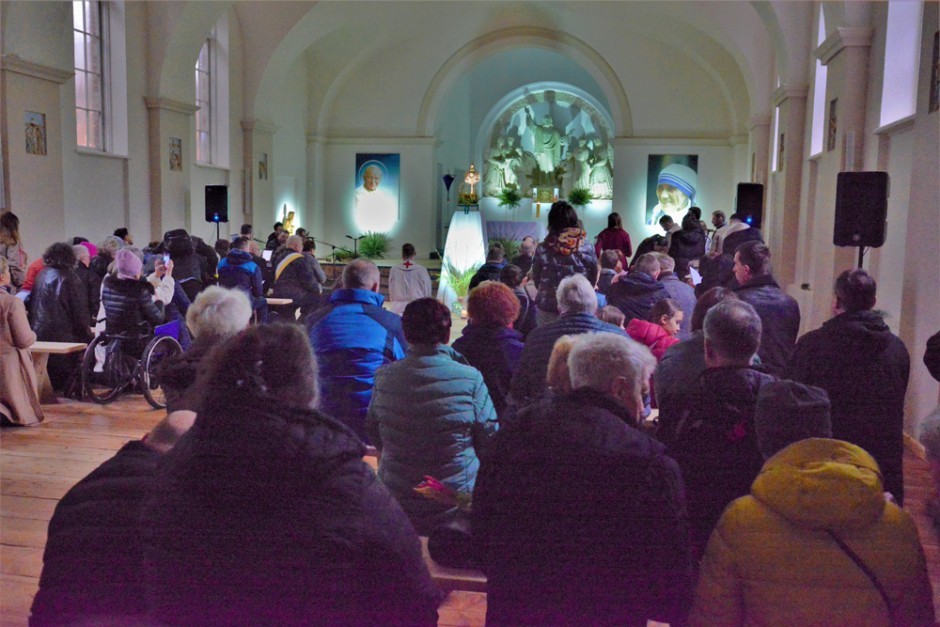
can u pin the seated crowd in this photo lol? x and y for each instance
(766, 488)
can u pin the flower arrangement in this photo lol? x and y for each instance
(509, 197)
(374, 245)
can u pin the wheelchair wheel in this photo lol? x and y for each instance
(158, 350)
(104, 387)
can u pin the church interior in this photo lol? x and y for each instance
(124, 122)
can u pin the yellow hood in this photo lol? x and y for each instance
(822, 484)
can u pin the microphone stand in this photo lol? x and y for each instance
(333, 248)
(355, 244)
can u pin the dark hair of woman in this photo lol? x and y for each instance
(264, 367)
(9, 228)
(614, 221)
(59, 255)
(426, 321)
(562, 216)
(705, 302)
(665, 307)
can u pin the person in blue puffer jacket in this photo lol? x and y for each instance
(430, 415)
(352, 337)
(238, 270)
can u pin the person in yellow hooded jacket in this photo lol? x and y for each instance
(796, 550)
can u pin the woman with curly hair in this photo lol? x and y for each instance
(265, 513)
(430, 414)
(563, 253)
(489, 342)
(58, 309)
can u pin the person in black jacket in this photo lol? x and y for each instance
(58, 309)
(636, 293)
(265, 513)
(190, 269)
(294, 277)
(93, 561)
(490, 270)
(577, 302)
(687, 245)
(779, 313)
(579, 517)
(864, 368)
(513, 277)
(709, 427)
(89, 278)
(129, 307)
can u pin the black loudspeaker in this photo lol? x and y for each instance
(749, 204)
(216, 203)
(861, 209)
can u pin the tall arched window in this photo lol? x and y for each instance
(211, 74)
(819, 90)
(902, 56)
(100, 75)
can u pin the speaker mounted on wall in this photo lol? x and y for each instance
(749, 204)
(861, 209)
(216, 203)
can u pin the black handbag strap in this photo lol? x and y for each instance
(865, 569)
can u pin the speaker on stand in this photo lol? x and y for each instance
(749, 204)
(861, 210)
(217, 205)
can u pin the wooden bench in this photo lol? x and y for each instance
(449, 579)
(40, 352)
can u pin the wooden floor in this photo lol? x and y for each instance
(39, 464)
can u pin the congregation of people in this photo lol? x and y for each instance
(616, 436)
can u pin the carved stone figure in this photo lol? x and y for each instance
(582, 166)
(602, 176)
(548, 143)
(493, 173)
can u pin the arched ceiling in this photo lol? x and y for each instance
(733, 43)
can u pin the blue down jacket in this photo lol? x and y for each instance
(351, 338)
(430, 415)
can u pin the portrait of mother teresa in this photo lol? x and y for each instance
(675, 191)
(374, 208)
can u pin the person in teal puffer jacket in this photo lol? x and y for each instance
(430, 415)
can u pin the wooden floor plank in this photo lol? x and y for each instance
(27, 507)
(39, 464)
(21, 560)
(23, 532)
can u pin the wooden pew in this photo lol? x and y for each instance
(40, 352)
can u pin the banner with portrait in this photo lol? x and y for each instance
(672, 182)
(375, 201)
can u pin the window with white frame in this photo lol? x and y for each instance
(819, 91)
(902, 58)
(98, 43)
(204, 102)
(89, 28)
(212, 98)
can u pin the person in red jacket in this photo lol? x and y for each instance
(662, 329)
(614, 237)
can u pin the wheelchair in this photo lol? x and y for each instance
(123, 370)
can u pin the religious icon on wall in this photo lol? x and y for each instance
(833, 127)
(263, 167)
(375, 199)
(176, 154)
(935, 75)
(671, 184)
(35, 124)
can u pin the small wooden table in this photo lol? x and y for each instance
(40, 352)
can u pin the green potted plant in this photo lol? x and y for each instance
(459, 281)
(509, 197)
(374, 245)
(580, 196)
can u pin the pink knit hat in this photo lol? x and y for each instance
(127, 265)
